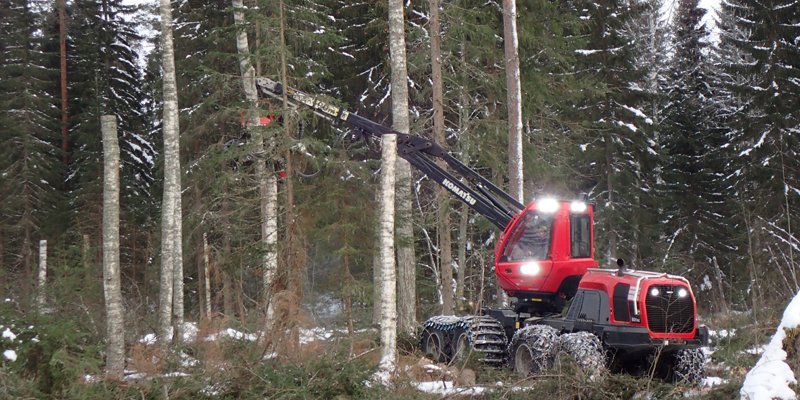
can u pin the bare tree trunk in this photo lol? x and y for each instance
(267, 184)
(442, 196)
(177, 272)
(513, 99)
(294, 259)
(206, 276)
(172, 171)
(610, 232)
(376, 279)
(462, 257)
(112, 288)
(41, 282)
(399, 85)
(406, 259)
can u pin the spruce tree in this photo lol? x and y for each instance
(762, 73)
(29, 159)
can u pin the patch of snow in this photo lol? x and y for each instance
(712, 381)
(7, 334)
(10, 355)
(148, 339)
(448, 388)
(772, 378)
(706, 285)
(722, 333)
(189, 331)
(314, 334)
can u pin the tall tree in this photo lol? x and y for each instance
(170, 242)
(112, 286)
(399, 84)
(442, 195)
(267, 183)
(28, 155)
(614, 144)
(763, 75)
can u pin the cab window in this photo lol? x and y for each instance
(530, 240)
(580, 236)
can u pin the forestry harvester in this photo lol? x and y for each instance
(623, 320)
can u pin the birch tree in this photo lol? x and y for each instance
(514, 104)
(267, 183)
(406, 260)
(171, 199)
(112, 290)
(388, 323)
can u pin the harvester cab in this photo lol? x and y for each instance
(543, 253)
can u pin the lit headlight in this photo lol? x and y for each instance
(654, 292)
(683, 292)
(577, 207)
(547, 205)
(530, 268)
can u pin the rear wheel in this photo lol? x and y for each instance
(459, 346)
(532, 349)
(432, 343)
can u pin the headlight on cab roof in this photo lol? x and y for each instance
(547, 205)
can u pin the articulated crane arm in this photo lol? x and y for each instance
(474, 190)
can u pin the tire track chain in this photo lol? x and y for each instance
(485, 334)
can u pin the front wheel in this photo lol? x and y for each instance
(586, 350)
(532, 350)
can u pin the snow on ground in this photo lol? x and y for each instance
(448, 388)
(10, 355)
(712, 381)
(771, 377)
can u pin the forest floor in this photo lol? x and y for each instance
(218, 361)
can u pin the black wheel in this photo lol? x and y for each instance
(459, 345)
(689, 366)
(432, 344)
(586, 350)
(532, 349)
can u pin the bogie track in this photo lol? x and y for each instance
(483, 335)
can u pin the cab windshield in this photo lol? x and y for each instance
(530, 240)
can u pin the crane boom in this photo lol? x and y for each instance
(474, 190)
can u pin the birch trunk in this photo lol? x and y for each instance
(206, 276)
(513, 99)
(41, 280)
(388, 323)
(267, 183)
(462, 258)
(115, 320)
(171, 178)
(406, 259)
(177, 272)
(442, 196)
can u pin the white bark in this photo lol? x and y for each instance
(406, 260)
(267, 183)
(177, 249)
(112, 289)
(206, 276)
(171, 196)
(41, 282)
(388, 282)
(514, 104)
